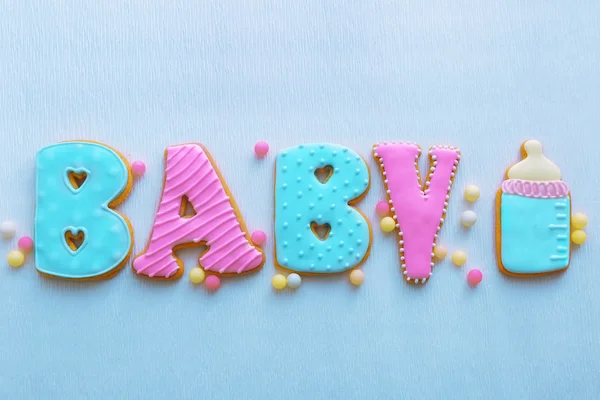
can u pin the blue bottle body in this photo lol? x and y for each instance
(535, 233)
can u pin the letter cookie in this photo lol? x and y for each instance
(419, 213)
(77, 233)
(192, 178)
(533, 216)
(316, 228)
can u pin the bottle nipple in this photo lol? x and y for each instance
(535, 166)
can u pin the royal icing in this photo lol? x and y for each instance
(303, 203)
(542, 190)
(67, 212)
(535, 166)
(535, 212)
(419, 212)
(190, 174)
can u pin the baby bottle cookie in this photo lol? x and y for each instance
(533, 215)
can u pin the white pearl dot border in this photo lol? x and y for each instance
(433, 163)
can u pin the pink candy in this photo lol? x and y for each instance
(261, 149)
(474, 277)
(382, 208)
(138, 168)
(25, 244)
(212, 282)
(258, 237)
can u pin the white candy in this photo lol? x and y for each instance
(8, 229)
(468, 218)
(294, 281)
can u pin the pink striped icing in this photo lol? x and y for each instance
(190, 172)
(541, 190)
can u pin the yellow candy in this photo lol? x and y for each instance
(579, 221)
(471, 193)
(197, 275)
(357, 277)
(578, 237)
(279, 281)
(387, 224)
(459, 257)
(440, 252)
(16, 258)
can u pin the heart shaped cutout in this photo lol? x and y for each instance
(186, 210)
(76, 178)
(74, 239)
(320, 231)
(323, 174)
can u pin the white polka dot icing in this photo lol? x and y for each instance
(304, 204)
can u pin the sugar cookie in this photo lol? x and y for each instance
(419, 210)
(533, 216)
(193, 180)
(78, 234)
(317, 229)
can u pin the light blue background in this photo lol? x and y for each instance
(142, 75)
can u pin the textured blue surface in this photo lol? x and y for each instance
(142, 75)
